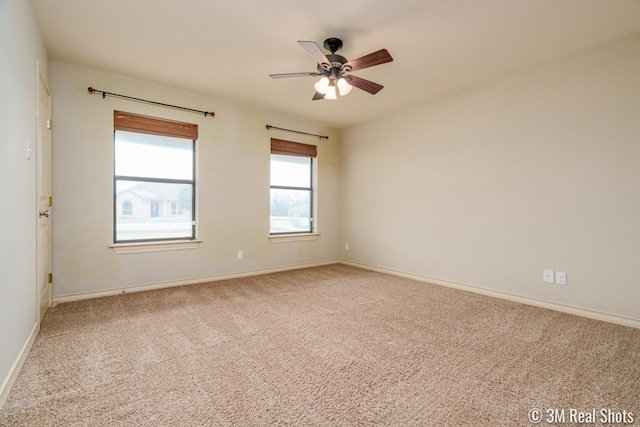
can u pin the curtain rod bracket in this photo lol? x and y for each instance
(269, 127)
(105, 93)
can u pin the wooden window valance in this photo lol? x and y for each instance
(290, 148)
(143, 124)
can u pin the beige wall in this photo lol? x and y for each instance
(21, 48)
(232, 188)
(540, 169)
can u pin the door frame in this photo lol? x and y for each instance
(43, 197)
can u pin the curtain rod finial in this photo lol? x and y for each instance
(91, 90)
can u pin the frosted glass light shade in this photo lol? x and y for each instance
(344, 87)
(331, 93)
(322, 85)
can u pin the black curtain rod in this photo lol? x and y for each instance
(104, 94)
(297, 131)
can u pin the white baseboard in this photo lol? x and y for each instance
(17, 365)
(192, 281)
(565, 308)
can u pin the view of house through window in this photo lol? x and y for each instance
(154, 187)
(291, 209)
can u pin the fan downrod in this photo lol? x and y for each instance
(333, 44)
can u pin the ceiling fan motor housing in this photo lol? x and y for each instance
(337, 69)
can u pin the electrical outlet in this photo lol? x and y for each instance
(547, 276)
(561, 278)
(346, 246)
(240, 255)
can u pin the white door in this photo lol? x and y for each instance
(43, 155)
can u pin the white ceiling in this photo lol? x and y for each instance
(227, 49)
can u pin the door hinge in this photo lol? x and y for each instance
(49, 123)
(50, 278)
(49, 201)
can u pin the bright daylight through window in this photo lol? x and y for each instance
(291, 188)
(154, 186)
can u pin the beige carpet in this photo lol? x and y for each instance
(326, 346)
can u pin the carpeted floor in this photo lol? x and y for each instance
(326, 346)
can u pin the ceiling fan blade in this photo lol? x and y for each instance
(285, 75)
(366, 85)
(316, 53)
(381, 56)
(317, 96)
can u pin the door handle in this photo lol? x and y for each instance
(43, 213)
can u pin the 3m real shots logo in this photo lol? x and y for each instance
(604, 416)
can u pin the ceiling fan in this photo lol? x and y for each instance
(335, 70)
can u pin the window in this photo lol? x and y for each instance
(177, 208)
(154, 179)
(127, 208)
(291, 187)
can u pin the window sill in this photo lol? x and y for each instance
(284, 238)
(141, 247)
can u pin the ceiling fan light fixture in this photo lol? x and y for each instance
(335, 70)
(344, 87)
(331, 93)
(322, 85)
